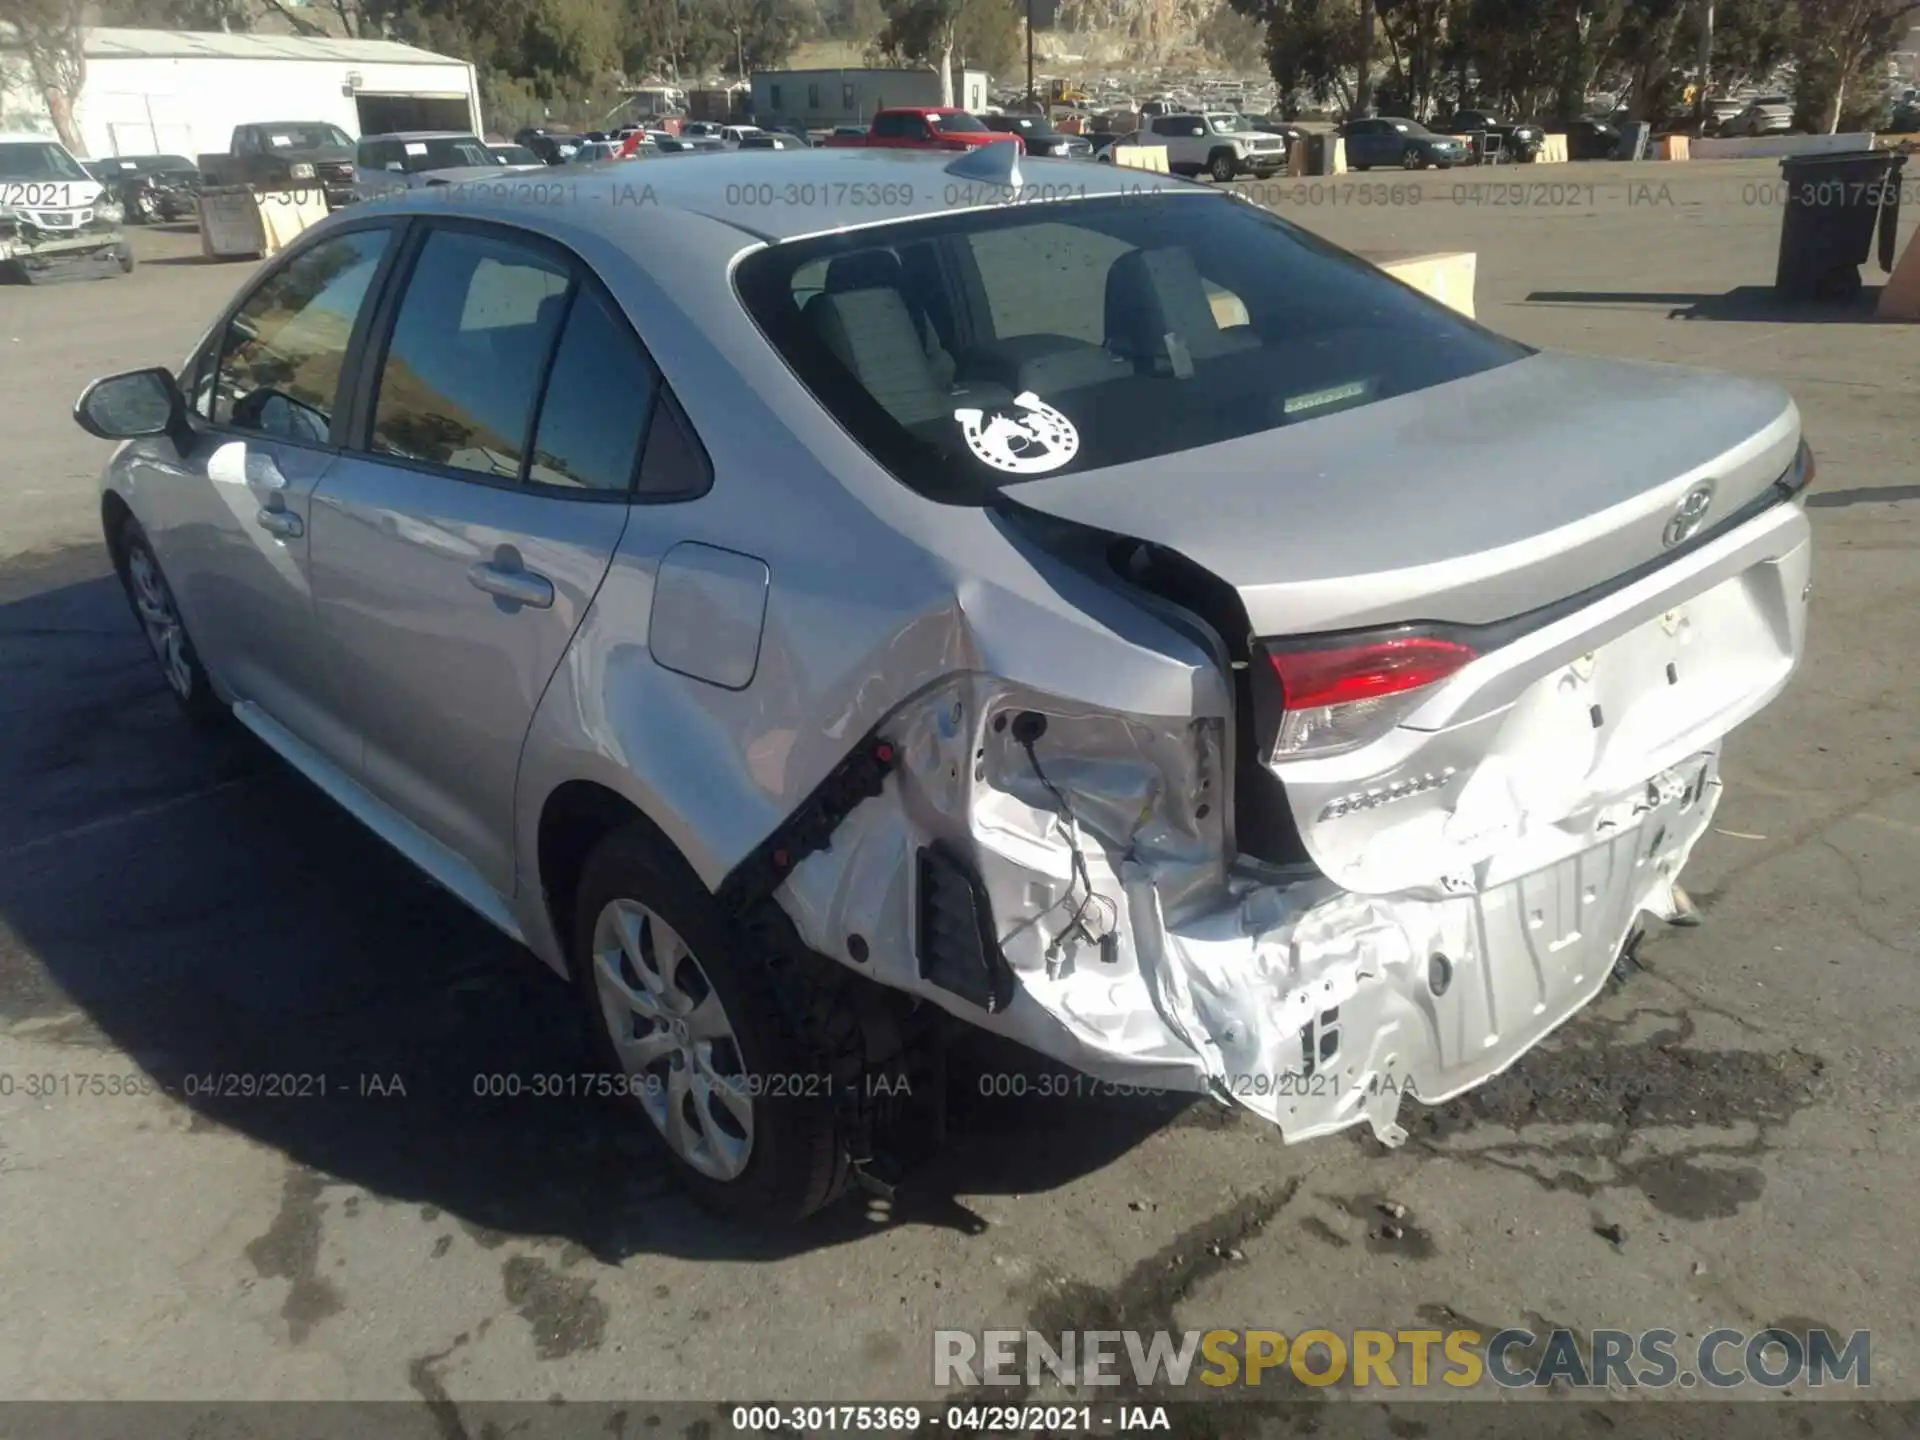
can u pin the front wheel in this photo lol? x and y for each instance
(159, 616)
(1222, 168)
(734, 1051)
(1411, 160)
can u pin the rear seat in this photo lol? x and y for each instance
(873, 335)
(882, 270)
(1159, 317)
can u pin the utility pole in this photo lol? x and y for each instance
(1363, 86)
(1705, 63)
(1031, 97)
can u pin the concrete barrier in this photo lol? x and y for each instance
(1142, 157)
(239, 223)
(1553, 150)
(1675, 147)
(1765, 146)
(1446, 275)
(1229, 310)
(1900, 296)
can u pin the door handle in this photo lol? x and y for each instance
(283, 523)
(521, 586)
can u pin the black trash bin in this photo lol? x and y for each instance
(1833, 204)
(1320, 152)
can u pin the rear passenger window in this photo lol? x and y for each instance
(462, 372)
(599, 394)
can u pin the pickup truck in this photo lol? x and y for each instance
(286, 155)
(921, 127)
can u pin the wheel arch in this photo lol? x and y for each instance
(574, 818)
(115, 512)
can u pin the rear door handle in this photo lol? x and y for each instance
(283, 523)
(523, 586)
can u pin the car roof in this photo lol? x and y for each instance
(620, 202)
(22, 137)
(423, 135)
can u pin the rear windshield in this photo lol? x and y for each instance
(957, 124)
(442, 152)
(305, 137)
(973, 351)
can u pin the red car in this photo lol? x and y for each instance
(922, 127)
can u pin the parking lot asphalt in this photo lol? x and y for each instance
(1724, 1139)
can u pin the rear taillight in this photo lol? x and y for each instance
(1801, 473)
(1340, 696)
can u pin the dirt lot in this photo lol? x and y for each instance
(1724, 1140)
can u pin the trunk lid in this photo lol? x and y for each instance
(1468, 502)
(1535, 513)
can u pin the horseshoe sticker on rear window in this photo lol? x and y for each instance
(1032, 440)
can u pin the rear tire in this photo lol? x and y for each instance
(737, 1053)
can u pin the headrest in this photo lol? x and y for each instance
(865, 270)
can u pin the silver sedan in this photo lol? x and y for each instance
(812, 602)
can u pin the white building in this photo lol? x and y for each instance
(181, 92)
(821, 98)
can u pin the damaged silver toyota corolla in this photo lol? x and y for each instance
(811, 599)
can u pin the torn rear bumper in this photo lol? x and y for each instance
(1310, 1005)
(1324, 1016)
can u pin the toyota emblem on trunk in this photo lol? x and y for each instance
(1686, 519)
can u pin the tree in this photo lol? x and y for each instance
(1750, 39)
(53, 41)
(1414, 31)
(855, 20)
(1841, 44)
(931, 32)
(1313, 47)
(1229, 35)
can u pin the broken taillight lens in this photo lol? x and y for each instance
(1338, 697)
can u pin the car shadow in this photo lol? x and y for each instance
(190, 901)
(1865, 495)
(1748, 303)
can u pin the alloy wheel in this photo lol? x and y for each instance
(674, 1039)
(160, 619)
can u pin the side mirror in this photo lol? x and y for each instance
(131, 406)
